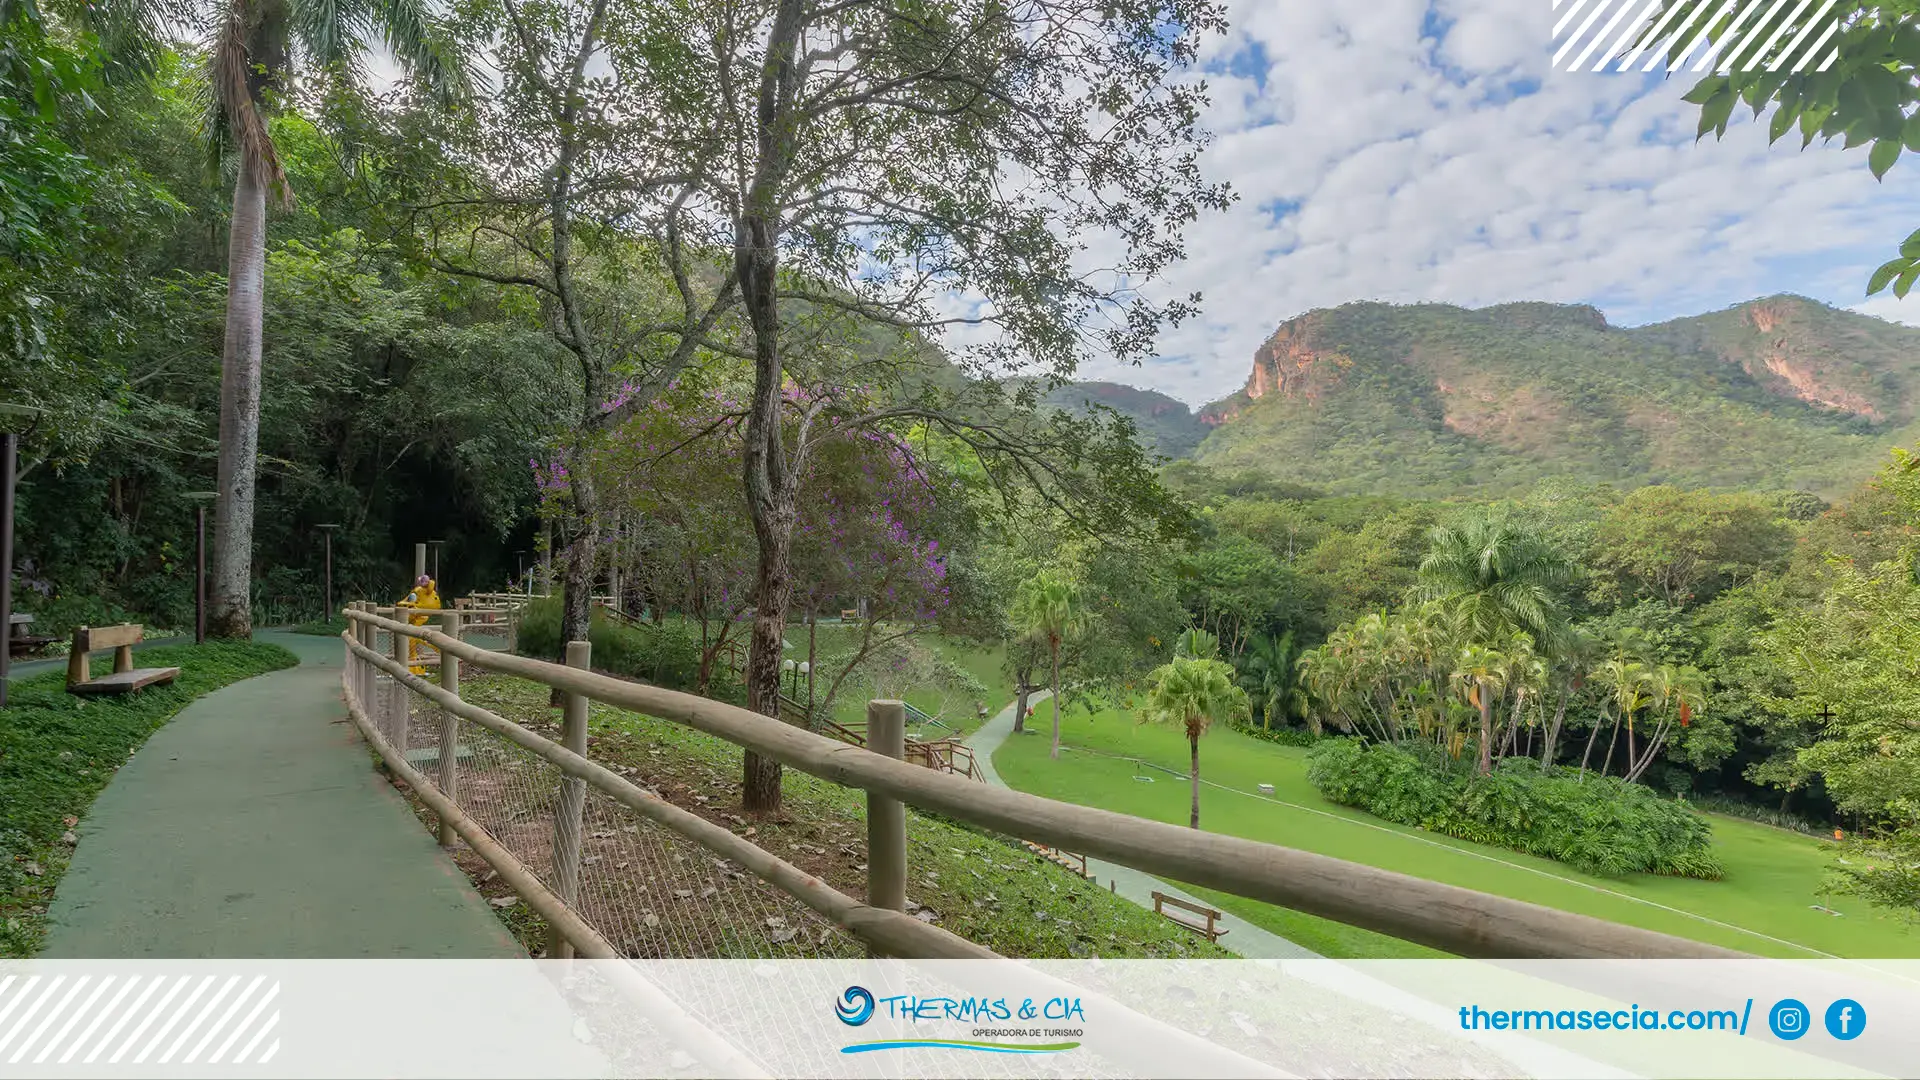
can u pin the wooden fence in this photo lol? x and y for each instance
(1445, 917)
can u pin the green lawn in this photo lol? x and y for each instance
(1764, 905)
(983, 663)
(58, 751)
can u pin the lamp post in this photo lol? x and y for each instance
(434, 546)
(9, 450)
(326, 614)
(806, 672)
(200, 499)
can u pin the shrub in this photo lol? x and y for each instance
(1601, 825)
(667, 655)
(1285, 736)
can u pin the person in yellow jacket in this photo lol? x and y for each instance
(423, 598)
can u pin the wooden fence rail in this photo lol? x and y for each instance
(1446, 917)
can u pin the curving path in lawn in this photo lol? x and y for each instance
(253, 825)
(1242, 937)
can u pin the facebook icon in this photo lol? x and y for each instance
(1846, 1019)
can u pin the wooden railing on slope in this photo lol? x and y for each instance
(1446, 917)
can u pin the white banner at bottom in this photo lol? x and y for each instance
(942, 1019)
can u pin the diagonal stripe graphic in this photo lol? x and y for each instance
(98, 1018)
(72, 993)
(54, 1043)
(32, 1010)
(265, 1029)
(107, 1039)
(147, 1020)
(245, 1025)
(174, 1019)
(224, 1017)
(198, 1019)
(1721, 36)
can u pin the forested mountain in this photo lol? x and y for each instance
(1434, 400)
(1165, 425)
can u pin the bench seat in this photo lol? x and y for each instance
(123, 682)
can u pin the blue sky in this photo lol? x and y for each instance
(1406, 150)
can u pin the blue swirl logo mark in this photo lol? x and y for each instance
(855, 1007)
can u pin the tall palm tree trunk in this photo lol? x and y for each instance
(1193, 775)
(1053, 647)
(1612, 741)
(231, 614)
(1587, 755)
(1486, 728)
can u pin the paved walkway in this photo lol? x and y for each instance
(254, 825)
(1243, 937)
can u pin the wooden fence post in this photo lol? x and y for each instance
(401, 709)
(887, 817)
(567, 819)
(449, 778)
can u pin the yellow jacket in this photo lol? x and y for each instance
(424, 598)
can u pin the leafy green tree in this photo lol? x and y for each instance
(1681, 546)
(1495, 578)
(863, 183)
(1864, 96)
(1194, 693)
(1051, 609)
(253, 48)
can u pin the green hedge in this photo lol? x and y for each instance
(1285, 736)
(667, 655)
(1602, 825)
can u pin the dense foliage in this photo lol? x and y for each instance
(1600, 825)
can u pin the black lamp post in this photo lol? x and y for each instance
(326, 613)
(9, 450)
(200, 499)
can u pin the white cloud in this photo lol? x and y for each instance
(1411, 168)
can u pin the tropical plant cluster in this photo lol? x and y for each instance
(1600, 825)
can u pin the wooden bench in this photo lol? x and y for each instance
(125, 678)
(1209, 929)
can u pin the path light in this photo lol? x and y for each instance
(326, 611)
(200, 500)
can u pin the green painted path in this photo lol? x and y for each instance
(254, 825)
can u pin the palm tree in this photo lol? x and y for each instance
(1485, 672)
(1678, 694)
(253, 48)
(1194, 693)
(1494, 578)
(1197, 644)
(1267, 672)
(1626, 681)
(1049, 608)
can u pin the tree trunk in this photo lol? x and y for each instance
(1023, 688)
(1613, 740)
(230, 613)
(1486, 728)
(1054, 648)
(1587, 755)
(768, 481)
(1553, 733)
(1193, 775)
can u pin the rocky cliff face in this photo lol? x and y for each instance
(1798, 367)
(1294, 362)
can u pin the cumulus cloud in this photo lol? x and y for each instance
(1412, 151)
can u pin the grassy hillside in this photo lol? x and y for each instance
(1429, 400)
(1770, 902)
